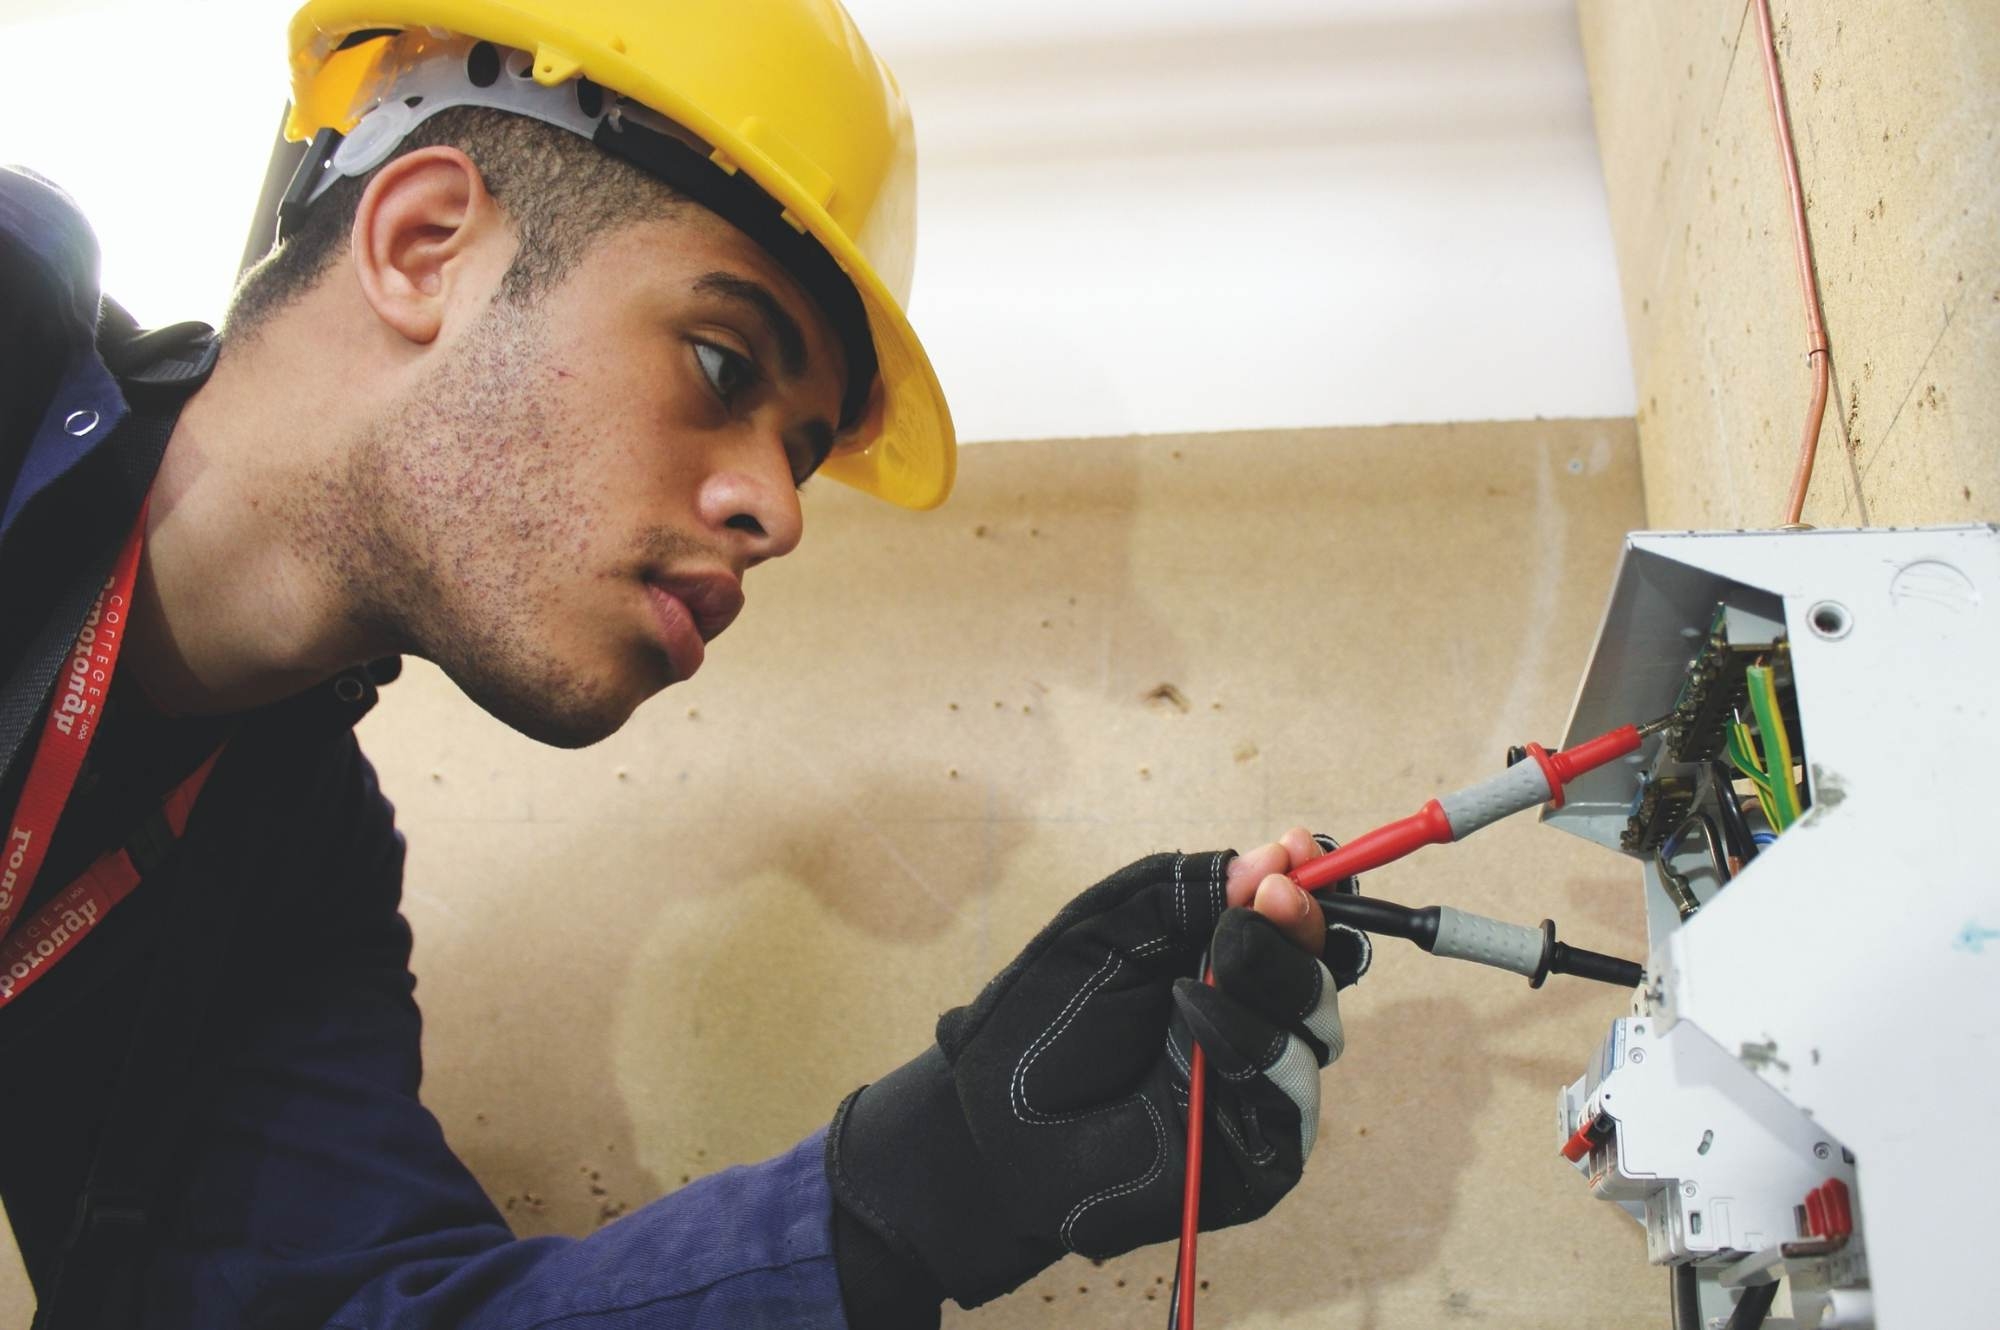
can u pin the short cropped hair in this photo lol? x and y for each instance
(560, 191)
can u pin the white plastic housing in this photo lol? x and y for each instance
(1854, 968)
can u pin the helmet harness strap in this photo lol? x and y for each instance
(477, 73)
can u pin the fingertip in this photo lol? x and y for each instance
(1285, 904)
(1280, 898)
(1299, 846)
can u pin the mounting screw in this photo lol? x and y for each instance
(1822, 1151)
(1687, 1189)
(1638, 1055)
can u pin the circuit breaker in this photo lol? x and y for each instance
(1797, 1108)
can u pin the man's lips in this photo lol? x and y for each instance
(678, 630)
(693, 609)
(715, 599)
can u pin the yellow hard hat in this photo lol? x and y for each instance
(785, 92)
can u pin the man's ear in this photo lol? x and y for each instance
(417, 231)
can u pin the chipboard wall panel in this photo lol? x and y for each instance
(1895, 105)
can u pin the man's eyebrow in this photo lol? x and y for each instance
(783, 328)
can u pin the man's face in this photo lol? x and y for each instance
(564, 507)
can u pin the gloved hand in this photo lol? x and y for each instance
(1050, 1116)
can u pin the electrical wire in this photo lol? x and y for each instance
(1717, 859)
(1735, 831)
(1743, 753)
(1675, 884)
(1684, 1299)
(1819, 353)
(1752, 1306)
(1772, 774)
(1673, 880)
(1777, 743)
(1180, 1311)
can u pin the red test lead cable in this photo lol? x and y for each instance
(1536, 779)
(1183, 1303)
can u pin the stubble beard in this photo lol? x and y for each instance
(453, 522)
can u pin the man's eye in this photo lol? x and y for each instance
(804, 463)
(728, 373)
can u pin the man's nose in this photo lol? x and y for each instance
(755, 507)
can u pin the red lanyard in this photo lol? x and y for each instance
(26, 955)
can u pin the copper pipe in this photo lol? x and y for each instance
(1820, 354)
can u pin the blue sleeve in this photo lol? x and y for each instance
(321, 1192)
(51, 379)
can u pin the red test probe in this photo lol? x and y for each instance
(1538, 778)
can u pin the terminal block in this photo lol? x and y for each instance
(1713, 690)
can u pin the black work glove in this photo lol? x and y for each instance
(1050, 1116)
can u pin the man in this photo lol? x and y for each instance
(567, 307)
